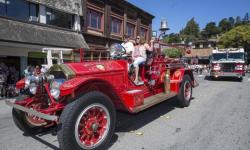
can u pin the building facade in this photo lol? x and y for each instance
(201, 51)
(107, 21)
(27, 26)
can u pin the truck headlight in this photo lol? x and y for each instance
(33, 88)
(216, 67)
(27, 82)
(55, 89)
(239, 67)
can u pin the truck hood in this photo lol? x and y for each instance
(96, 67)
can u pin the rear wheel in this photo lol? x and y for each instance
(88, 123)
(185, 92)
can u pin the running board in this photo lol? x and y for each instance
(153, 100)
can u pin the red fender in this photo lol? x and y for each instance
(70, 86)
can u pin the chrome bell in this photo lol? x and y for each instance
(164, 25)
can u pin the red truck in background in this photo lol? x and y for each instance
(228, 63)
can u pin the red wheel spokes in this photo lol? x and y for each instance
(92, 126)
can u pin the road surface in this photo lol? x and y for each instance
(217, 119)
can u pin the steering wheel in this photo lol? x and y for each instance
(117, 50)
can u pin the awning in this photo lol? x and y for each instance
(42, 35)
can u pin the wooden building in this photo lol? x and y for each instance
(105, 22)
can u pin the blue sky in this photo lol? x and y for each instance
(178, 12)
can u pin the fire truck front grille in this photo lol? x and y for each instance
(227, 67)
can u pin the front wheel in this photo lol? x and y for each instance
(88, 123)
(28, 123)
(23, 122)
(185, 92)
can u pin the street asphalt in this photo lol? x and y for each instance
(218, 118)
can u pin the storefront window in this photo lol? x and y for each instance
(143, 33)
(10, 67)
(18, 9)
(58, 18)
(2, 7)
(94, 19)
(33, 10)
(116, 25)
(130, 30)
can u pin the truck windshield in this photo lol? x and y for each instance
(219, 57)
(235, 56)
(227, 56)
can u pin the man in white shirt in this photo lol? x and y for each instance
(128, 45)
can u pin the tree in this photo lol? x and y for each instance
(246, 18)
(237, 37)
(231, 21)
(237, 21)
(191, 32)
(173, 52)
(210, 30)
(224, 25)
(172, 38)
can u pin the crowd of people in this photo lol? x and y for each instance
(199, 68)
(8, 77)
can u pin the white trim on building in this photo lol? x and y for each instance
(42, 14)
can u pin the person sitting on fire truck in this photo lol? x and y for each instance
(139, 56)
(149, 47)
(128, 45)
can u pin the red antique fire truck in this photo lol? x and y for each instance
(82, 98)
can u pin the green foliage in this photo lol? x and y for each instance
(237, 37)
(224, 25)
(237, 21)
(191, 32)
(231, 21)
(172, 38)
(210, 30)
(246, 18)
(173, 52)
